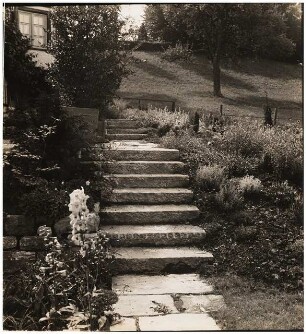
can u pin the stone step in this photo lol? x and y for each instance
(122, 130)
(154, 235)
(145, 167)
(121, 123)
(146, 214)
(151, 195)
(129, 151)
(144, 154)
(148, 180)
(126, 136)
(146, 305)
(156, 260)
(182, 284)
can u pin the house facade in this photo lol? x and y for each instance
(34, 23)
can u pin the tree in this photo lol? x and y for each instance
(142, 33)
(88, 64)
(224, 30)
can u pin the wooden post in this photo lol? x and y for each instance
(173, 106)
(139, 106)
(275, 115)
(221, 110)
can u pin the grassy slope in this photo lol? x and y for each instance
(243, 85)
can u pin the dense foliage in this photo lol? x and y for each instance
(85, 42)
(44, 164)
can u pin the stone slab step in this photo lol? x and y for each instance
(121, 123)
(126, 136)
(144, 154)
(146, 214)
(148, 180)
(156, 260)
(131, 154)
(145, 167)
(151, 195)
(168, 322)
(154, 235)
(178, 322)
(147, 305)
(182, 284)
(122, 130)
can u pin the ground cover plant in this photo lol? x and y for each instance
(248, 185)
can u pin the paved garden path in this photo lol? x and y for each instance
(149, 222)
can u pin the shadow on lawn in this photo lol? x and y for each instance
(154, 70)
(265, 68)
(203, 68)
(286, 108)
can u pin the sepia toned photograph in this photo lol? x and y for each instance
(153, 170)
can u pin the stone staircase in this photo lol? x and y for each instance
(148, 220)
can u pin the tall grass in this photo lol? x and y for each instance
(162, 119)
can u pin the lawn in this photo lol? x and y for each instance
(244, 84)
(254, 306)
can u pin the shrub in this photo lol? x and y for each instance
(161, 119)
(250, 185)
(284, 150)
(85, 42)
(178, 52)
(230, 197)
(210, 177)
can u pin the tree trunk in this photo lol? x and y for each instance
(217, 75)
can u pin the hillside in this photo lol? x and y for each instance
(243, 84)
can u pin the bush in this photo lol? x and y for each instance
(210, 177)
(250, 185)
(161, 119)
(85, 42)
(230, 196)
(178, 52)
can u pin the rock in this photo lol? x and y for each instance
(16, 260)
(62, 227)
(9, 242)
(32, 243)
(19, 225)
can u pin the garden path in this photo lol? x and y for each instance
(149, 220)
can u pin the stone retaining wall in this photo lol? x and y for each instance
(21, 245)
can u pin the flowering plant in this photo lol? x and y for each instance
(71, 287)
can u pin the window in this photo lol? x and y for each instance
(34, 26)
